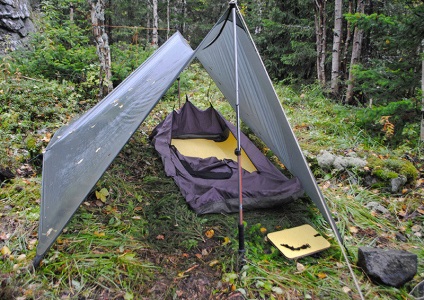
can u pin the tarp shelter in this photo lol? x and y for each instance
(79, 153)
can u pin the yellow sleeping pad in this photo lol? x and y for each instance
(204, 148)
(298, 241)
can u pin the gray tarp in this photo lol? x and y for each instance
(79, 153)
(260, 108)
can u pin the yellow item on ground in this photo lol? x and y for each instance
(204, 148)
(298, 241)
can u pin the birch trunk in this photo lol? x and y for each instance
(155, 37)
(167, 20)
(321, 36)
(102, 45)
(335, 59)
(358, 37)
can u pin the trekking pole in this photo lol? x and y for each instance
(241, 251)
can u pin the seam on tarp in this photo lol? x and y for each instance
(220, 31)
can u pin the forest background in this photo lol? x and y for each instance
(362, 53)
(350, 77)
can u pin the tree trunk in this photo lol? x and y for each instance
(335, 59)
(102, 44)
(422, 93)
(343, 63)
(358, 36)
(167, 20)
(155, 38)
(184, 11)
(71, 12)
(148, 27)
(321, 36)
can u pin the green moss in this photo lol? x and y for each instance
(385, 174)
(386, 169)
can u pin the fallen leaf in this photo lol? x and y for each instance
(4, 236)
(128, 296)
(416, 228)
(353, 229)
(99, 234)
(346, 289)
(47, 137)
(402, 228)
(263, 230)
(31, 244)
(102, 194)
(326, 185)
(205, 252)
(136, 218)
(210, 233)
(198, 255)
(5, 250)
(322, 275)
(226, 240)
(21, 257)
(401, 214)
(160, 237)
(213, 262)
(300, 267)
(179, 293)
(277, 290)
(421, 211)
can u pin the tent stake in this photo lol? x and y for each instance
(241, 251)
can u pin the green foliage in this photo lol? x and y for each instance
(61, 49)
(126, 58)
(285, 37)
(390, 61)
(31, 111)
(398, 114)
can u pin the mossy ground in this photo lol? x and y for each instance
(141, 241)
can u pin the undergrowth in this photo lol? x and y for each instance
(134, 237)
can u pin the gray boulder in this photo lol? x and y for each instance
(397, 183)
(389, 267)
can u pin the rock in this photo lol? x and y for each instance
(397, 183)
(401, 237)
(389, 267)
(375, 206)
(5, 174)
(8, 2)
(327, 160)
(15, 24)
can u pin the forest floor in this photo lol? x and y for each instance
(141, 240)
